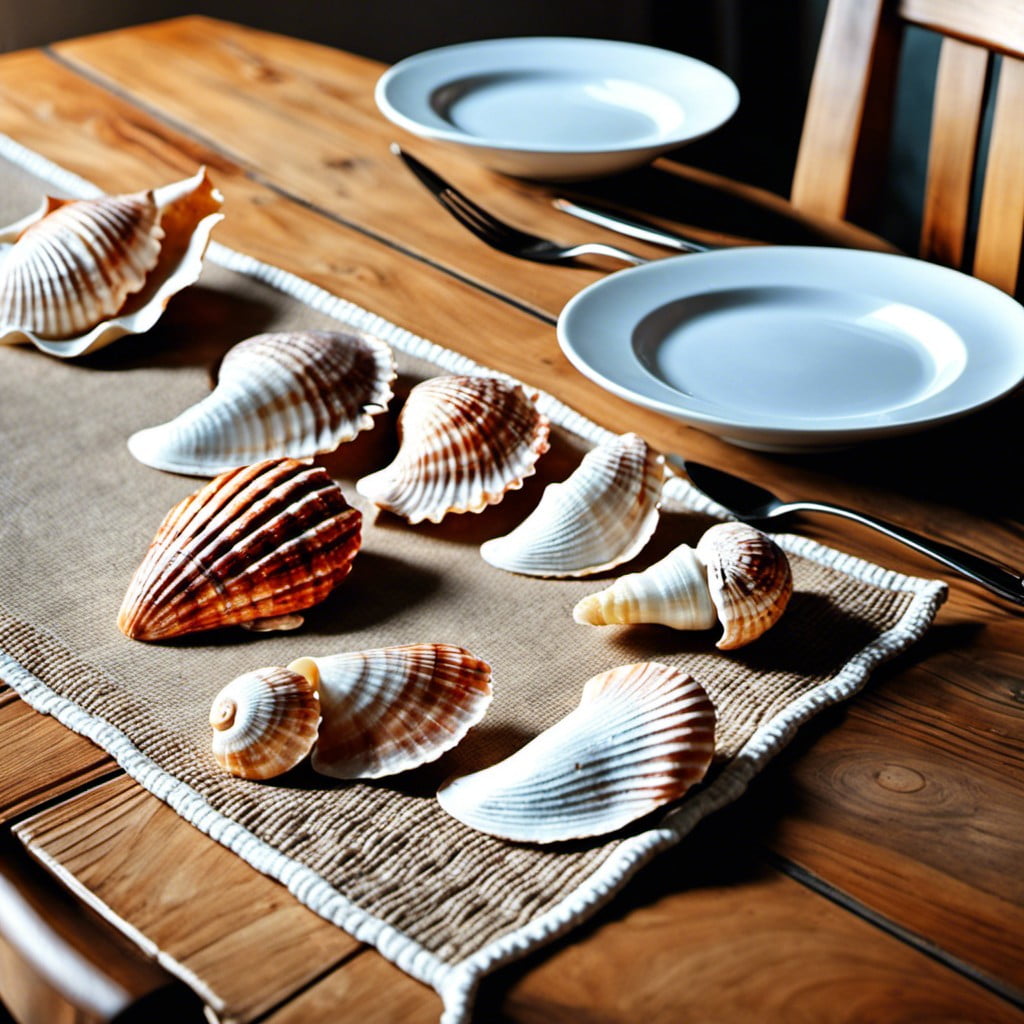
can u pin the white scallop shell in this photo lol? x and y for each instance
(264, 722)
(104, 267)
(466, 442)
(599, 517)
(286, 394)
(672, 592)
(641, 736)
(393, 709)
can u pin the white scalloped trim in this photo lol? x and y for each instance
(457, 983)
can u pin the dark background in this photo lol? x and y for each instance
(766, 46)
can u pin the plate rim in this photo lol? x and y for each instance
(452, 134)
(765, 432)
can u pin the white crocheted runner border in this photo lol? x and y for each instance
(457, 983)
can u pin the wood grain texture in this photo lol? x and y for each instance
(995, 24)
(1001, 222)
(238, 938)
(956, 124)
(40, 759)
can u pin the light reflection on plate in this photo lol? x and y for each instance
(557, 108)
(792, 349)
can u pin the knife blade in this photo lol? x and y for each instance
(634, 227)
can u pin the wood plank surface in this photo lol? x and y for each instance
(919, 778)
(237, 937)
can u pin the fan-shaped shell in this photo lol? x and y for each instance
(284, 394)
(466, 441)
(750, 580)
(672, 592)
(79, 273)
(264, 722)
(257, 543)
(393, 709)
(641, 737)
(599, 517)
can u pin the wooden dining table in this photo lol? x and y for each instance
(871, 872)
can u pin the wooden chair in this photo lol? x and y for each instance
(842, 155)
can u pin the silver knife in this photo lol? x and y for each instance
(633, 227)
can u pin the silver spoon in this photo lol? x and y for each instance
(758, 506)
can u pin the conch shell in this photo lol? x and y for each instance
(264, 723)
(390, 710)
(599, 517)
(79, 273)
(641, 736)
(278, 395)
(466, 441)
(736, 572)
(252, 547)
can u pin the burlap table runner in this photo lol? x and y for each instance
(381, 860)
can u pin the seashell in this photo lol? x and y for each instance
(79, 273)
(599, 517)
(466, 441)
(736, 574)
(389, 710)
(256, 543)
(641, 736)
(278, 395)
(264, 722)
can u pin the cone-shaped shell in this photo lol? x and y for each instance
(257, 543)
(750, 580)
(466, 441)
(390, 710)
(264, 723)
(599, 517)
(79, 273)
(278, 395)
(672, 592)
(641, 737)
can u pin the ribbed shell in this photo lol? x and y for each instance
(284, 394)
(672, 592)
(256, 543)
(264, 723)
(466, 441)
(75, 266)
(642, 735)
(599, 517)
(393, 709)
(750, 580)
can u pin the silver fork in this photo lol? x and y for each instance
(499, 235)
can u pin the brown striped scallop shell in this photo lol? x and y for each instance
(641, 736)
(599, 517)
(294, 394)
(76, 265)
(465, 442)
(264, 722)
(252, 547)
(390, 710)
(736, 574)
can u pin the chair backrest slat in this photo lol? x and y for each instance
(995, 24)
(956, 126)
(1001, 221)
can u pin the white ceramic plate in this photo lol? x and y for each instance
(557, 108)
(792, 349)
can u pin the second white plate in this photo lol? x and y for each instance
(557, 108)
(792, 349)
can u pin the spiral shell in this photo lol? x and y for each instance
(736, 574)
(278, 395)
(257, 543)
(393, 709)
(264, 722)
(641, 736)
(466, 441)
(599, 517)
(79, 273)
